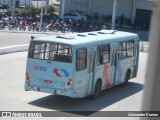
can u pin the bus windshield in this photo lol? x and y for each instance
(50, 51)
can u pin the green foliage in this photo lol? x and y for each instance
(107, 18)
(8, 12)
(30, 9)
(51, 9)
(37, 11)
(25, 11)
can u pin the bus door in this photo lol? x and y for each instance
(90, 72)
(113, 65)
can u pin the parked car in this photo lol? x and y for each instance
(76, 16)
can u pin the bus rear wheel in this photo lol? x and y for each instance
(97, 90)
(126, 79)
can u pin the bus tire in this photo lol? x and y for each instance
(125, 83)
(97, 89)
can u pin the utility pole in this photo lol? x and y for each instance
(3, 4)
(62, 9)
(41, 20)
(133, 11)
(46, 6)
(114, 14)
(13, 7)
(37, 3)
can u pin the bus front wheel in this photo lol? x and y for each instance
(97, 89)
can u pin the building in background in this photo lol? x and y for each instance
(38, 3)
(135, 10)
(19, 3)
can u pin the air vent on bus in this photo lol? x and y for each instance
(82, 35)
(65, 36)
(91, 33)
(107, 31)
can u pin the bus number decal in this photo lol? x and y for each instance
(40, 68)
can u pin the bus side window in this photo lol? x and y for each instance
(122, 50)
(114, 57)
(130, 49)
(104, 56)
(37, 51)
(81, 59)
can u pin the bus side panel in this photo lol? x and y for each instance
(80, 83)
(122, 67)
(126, 64)
(103, 72)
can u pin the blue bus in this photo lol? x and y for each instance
(81, 64)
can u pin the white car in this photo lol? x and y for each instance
(75, 16)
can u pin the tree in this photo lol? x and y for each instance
(51, 9)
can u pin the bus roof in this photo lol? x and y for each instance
(90, 38)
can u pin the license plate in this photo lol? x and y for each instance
(47, 81)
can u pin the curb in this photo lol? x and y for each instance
(12, 49)
(27, 32)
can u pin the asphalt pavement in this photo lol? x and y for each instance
(17, 41)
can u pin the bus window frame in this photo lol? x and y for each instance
(133, 48)
(78, 60)
(121, 49)
(31, 52)
(100, 54)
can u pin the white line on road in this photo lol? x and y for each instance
(12, 49)
(63, 118)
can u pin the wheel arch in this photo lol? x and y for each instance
(98, 79)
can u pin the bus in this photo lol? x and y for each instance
(81, 64)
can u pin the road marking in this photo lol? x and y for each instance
(11, 49)
(62, 118)
(26, 45)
